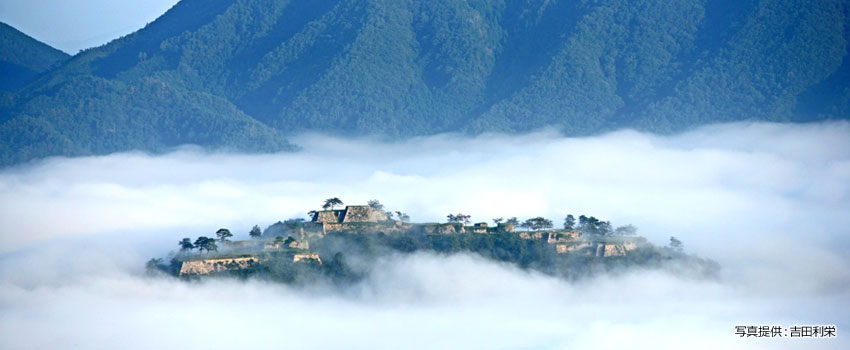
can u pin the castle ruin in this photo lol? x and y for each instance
(351, 214)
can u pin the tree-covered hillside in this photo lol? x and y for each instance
(241, 73)
(23, 58)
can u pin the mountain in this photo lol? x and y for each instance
(23, 58)
(241, 74)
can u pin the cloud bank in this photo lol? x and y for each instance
(767, 201)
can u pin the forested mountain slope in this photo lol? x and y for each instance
(23, 58)
(240, 74)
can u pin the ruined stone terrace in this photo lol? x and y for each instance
(351, 214)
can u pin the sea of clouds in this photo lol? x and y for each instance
(768, 202)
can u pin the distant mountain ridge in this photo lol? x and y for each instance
(23, 58)
(243, 74)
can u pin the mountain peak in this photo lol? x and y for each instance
(399, 69)
(23, 58)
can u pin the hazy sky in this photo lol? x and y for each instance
(72, 25)
(769, 202)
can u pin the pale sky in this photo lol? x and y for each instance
(73, 25)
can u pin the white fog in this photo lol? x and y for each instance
(768, 202)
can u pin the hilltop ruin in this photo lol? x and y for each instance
(365, 220)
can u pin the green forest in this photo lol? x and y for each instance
(23, 59)
(244, 75)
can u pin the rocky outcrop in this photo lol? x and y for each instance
(208, 266)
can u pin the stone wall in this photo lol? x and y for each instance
(207, 266)
(329, 216)
(533, 235)
(563, 248)
(613, 250)
(367, 227)
(351, 213)
(552, 237)
(599, 250)
(606, 250)
(596, 249)
(363, 213)
(306, 257)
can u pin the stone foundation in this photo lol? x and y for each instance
(208, 266)
(306, 257)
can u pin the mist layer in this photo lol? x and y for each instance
(767, 201)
